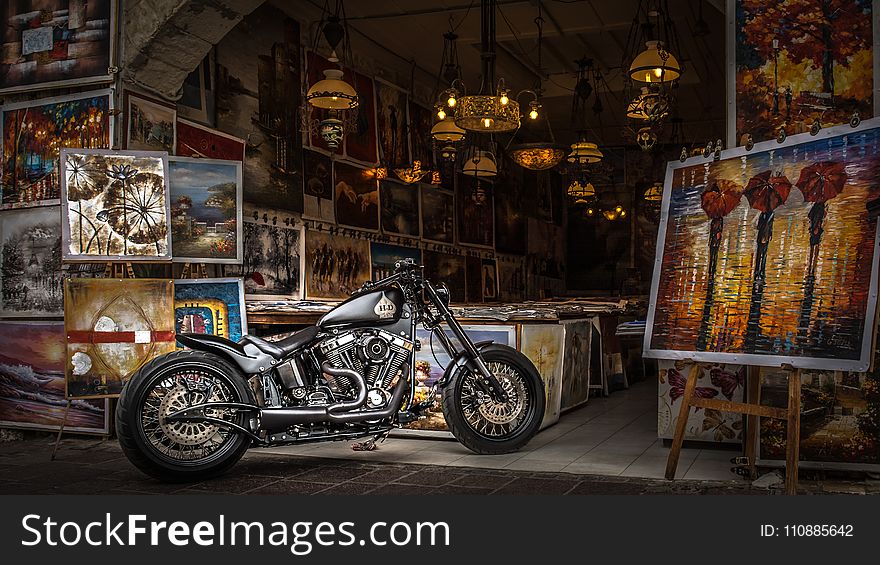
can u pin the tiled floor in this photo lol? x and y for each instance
(614, 436)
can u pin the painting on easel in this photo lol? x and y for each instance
(210, 306)
(768, 256)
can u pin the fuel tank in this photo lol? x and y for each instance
(374, 308)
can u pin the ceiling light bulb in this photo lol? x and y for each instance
(504, 99)
(441, 114)
(618, 208)
(589, 211)
(533, 114)
(487, 122)
(623, 213)
(658, 72)
(451, 102)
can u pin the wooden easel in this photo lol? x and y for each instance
(753, 410)
(189, 272)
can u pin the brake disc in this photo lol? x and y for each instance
(184, 433)
(505, 412)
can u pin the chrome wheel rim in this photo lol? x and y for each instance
(488, 417)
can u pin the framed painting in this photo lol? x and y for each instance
(273, 259)
(150, 125)
(114, 205)
(489, 280)
(33, 134)
(195, 140)
(57, 43)
(356, 193)
(206, 210)
(210, 306)
(31, 263)
(449, 270)
(113, 327)
(197, 100)
(391, 124)
(319, 201)
(768, 257)
(32, 382)
(383, 256)
(511, 279)
(360, 142)
(438, 214)
(577, 366)
(794, 62)
(399, 205)
(543, 344)
(336, 265)
(474, 213)
(259, 93)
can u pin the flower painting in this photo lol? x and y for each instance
(206, 211)
(115, 205)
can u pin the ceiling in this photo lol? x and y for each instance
(404, 38)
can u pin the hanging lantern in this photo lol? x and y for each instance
(445, 131)
(480, 164)
(411, 174)
(655, 64)
(537, 156)
(581, 191)
(584, 153)
(332, 93)
(654, 193)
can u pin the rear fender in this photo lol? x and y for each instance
(247, 357)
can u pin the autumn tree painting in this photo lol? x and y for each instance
(799, 61)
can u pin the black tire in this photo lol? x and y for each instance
(130, 427)
(523, 432)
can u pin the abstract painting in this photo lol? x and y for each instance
(113, 327)
(796, 62)
(438, 214)
(33, 134)
(336, 266)
(768, 257)
(357, 196)
(577, 366)
(543, 345)
(400, 208)
(474, 211)
(32, 382)
(259, 93)
(391, 124)
(724, 382)
(360, 142)
(273, 258)
(383, 256)
(31, 262)
(446, 269)
(194, 140)
(56, 43)
(206, 210)
(318, 187)
(150, 125)
(210, 306)
(114, 205)
(511, 279)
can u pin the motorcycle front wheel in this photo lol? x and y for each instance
(181, 451)
(484, 425)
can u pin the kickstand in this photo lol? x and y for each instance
(370, 444)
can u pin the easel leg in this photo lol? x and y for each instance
(753, 423)
(793, 439)
(60, 431)
(681, 423)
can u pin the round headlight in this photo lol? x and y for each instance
(443, 293)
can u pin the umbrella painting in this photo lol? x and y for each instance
(768, 256)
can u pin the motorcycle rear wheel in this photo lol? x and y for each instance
(488, 427)
(181, 451)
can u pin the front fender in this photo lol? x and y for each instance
(462, 360)
(247, 357)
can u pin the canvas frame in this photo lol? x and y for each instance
(12, 315)
(301, 244)
(126, 108)
(210, 130)
(867, 350)
(450, 193)
(223, 280)
(111, 124)
(239, 204)
(109, 77)
(65, 223)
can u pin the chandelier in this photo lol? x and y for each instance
(581, 191)
(584, 153)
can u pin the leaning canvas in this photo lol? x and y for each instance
(767, 256)
(115, 205)
(210, 306)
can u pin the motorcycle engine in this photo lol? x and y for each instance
(376, 354)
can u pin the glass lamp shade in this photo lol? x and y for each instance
(648, 105)
(445, 131)
(581, 191)
(486, 114)
(332, 93)
(480, 164)
(584, 152)
(537, 156)
(654, 193)
(655, 64)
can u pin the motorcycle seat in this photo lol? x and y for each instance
(283, 347)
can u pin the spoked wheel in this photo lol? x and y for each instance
(484, 424)
(176, 450)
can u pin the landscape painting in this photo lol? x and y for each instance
(210, 306)
(769, 257)
(400, 208)
(113, 327)
(150, 125)
(32, 382)
(357, 197)
(336, 266)
(272, 265)
(114, 205)
(34, 133)
(798, 62)
(195, 140)
(318, 187)
(31, 262)
(56, 43)
(383, 256)
(206, 210)
(438, 214)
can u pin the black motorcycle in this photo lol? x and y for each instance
(192, 414)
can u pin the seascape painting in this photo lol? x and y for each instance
(273, 258)
(357, 196)
(769, 257)
(318, 187)
(438, 214)
(115, 205)
(34, 133)
(195, 140)
(32, 382)
(210, 306)
(399, 208)
(383, 256)
(150, 125)
(543, 345)
(336, 265)
(206, 210)
(31, 262)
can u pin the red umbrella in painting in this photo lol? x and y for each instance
(819, 183)
(766, 192)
